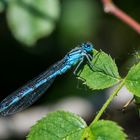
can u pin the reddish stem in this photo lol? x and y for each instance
(109, 7)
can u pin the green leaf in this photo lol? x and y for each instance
(30, 20)
(132, 80)
(62, 125)
(107, 130)
(59, 125)
(104, 73)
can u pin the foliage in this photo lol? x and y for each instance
(105, 72)
(30, 21)
(62, 125)
(65, 125)
(132, 80)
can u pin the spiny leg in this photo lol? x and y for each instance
(77, 67)
(91, 65)
(77, 74)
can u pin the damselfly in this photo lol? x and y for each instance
(30, 92)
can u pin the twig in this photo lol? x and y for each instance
(110, 7)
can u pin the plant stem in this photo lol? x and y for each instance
(110, 7)
(107, 102)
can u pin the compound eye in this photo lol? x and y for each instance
(87, 45)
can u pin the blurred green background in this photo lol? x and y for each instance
(36, 34)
